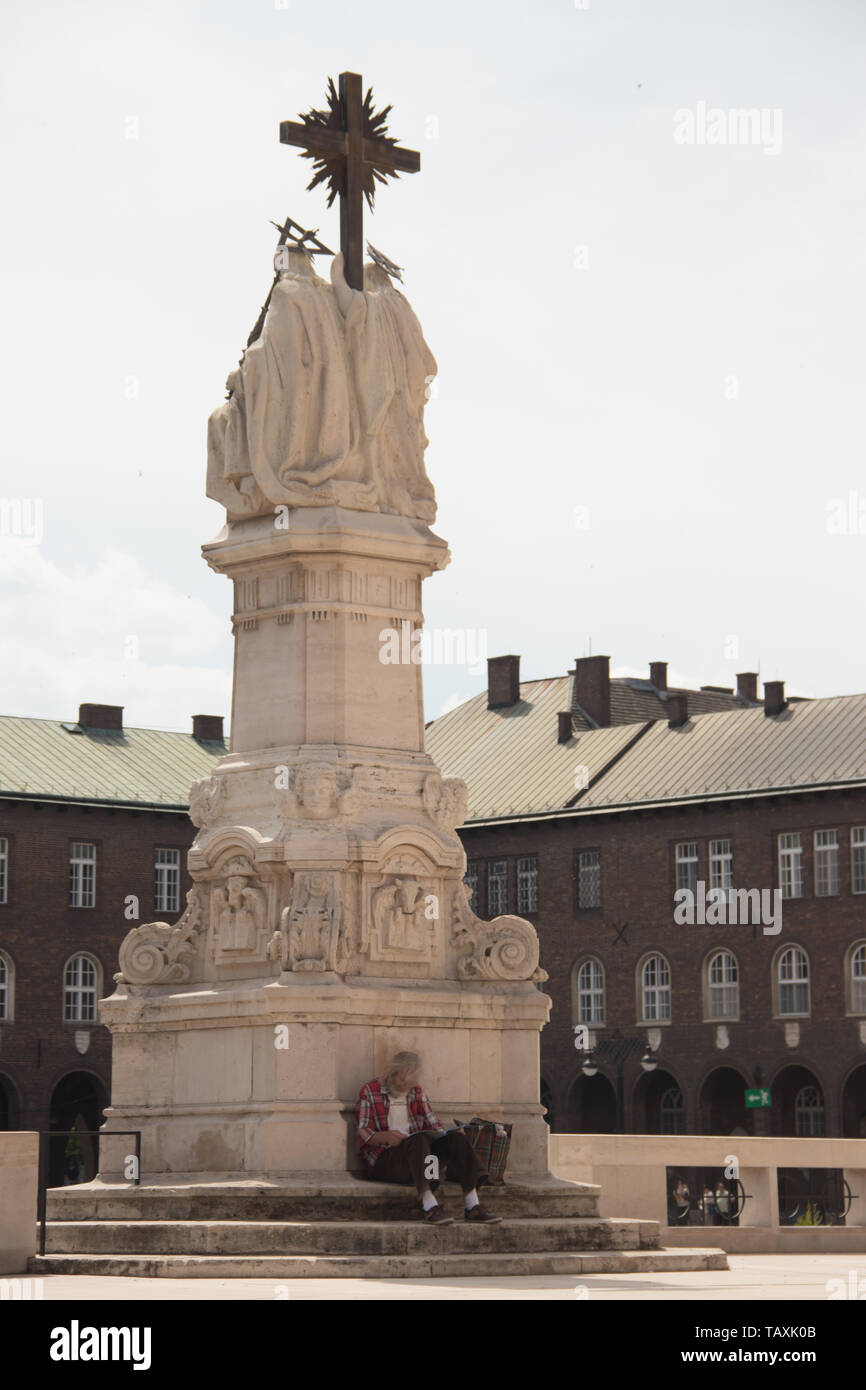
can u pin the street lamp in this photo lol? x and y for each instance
(617, 1049)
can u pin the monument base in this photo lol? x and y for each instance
(314, 1225)
(262, 1076)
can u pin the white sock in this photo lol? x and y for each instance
(471, 1199)
(428, 1200)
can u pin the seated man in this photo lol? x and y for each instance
(401, 1140)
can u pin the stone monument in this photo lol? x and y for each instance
(328, 925)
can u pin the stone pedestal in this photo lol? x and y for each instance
(328, 926)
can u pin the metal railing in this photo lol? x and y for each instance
(79, 1134)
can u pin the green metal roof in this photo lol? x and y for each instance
(515, 767)
(41, 758)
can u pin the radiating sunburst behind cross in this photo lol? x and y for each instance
(331, 169)
(351, 153)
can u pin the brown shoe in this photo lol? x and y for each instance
(480, 1213)
(436, 1216)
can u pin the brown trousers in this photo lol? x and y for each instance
(408, 1162)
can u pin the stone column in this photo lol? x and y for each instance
(328, 925)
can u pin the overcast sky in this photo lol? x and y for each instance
(647, 432)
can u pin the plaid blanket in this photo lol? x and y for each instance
(490, 1145)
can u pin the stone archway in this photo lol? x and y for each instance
(77, 1101)
(798, 1103)
(722, 1103)
(854, 1104)
(592, 1106)
(658, 1105)
(9, 1106)
(546, 1100)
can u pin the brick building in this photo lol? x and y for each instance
(94, 829)
(592, 802)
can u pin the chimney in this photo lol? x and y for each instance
(747, 686)
(659, 674)
(100, 716)
(774, 697)
(566, 728)
(208, 727)
(592, 688)
(678, 710)
(503, 681)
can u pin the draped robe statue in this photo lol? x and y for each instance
(326, 407)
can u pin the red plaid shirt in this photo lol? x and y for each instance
(373, 1109)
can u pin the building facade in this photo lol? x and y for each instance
(598, 833)
(94, 829)
(694, 863)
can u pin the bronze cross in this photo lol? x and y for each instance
(351, 150)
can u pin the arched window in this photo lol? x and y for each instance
(80, 990)
(857, 980)
(809, 1112)
(793, 982)
(723, 986)
(672, 1112)
(7, 989)
(655, 989)
(590, 993)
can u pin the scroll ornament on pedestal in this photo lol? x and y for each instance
(504, 949)
(159, 953)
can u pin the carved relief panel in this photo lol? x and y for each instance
(402, 910)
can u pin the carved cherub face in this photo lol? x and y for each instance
(235, 886)
(319, 790)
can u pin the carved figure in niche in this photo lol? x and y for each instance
(238, 909)
(399, 914)
(312, 922)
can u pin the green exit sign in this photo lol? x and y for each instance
(758, 1100)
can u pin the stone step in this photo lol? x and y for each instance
(341, 1198)
(478, 1264)
(347, 1238)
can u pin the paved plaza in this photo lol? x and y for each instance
(750, 1278)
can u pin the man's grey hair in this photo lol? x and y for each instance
(405, 1062)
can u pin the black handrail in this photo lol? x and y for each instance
(81, 1133)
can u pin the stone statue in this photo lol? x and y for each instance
(392, 368)
(326, 407)
(311, 936)
(238, 909)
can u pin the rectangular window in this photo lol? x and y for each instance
(791, 865)
(687, 866)
(82, 874)
(166, 880)
(471, 881)
(80, 991)
(4, 869)
(527, 884)
(590, 993)
(589, 878)
(858, 859)
(826, 863)
(4, 991)
(497, 888)
(723, 995)
(721, 864)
